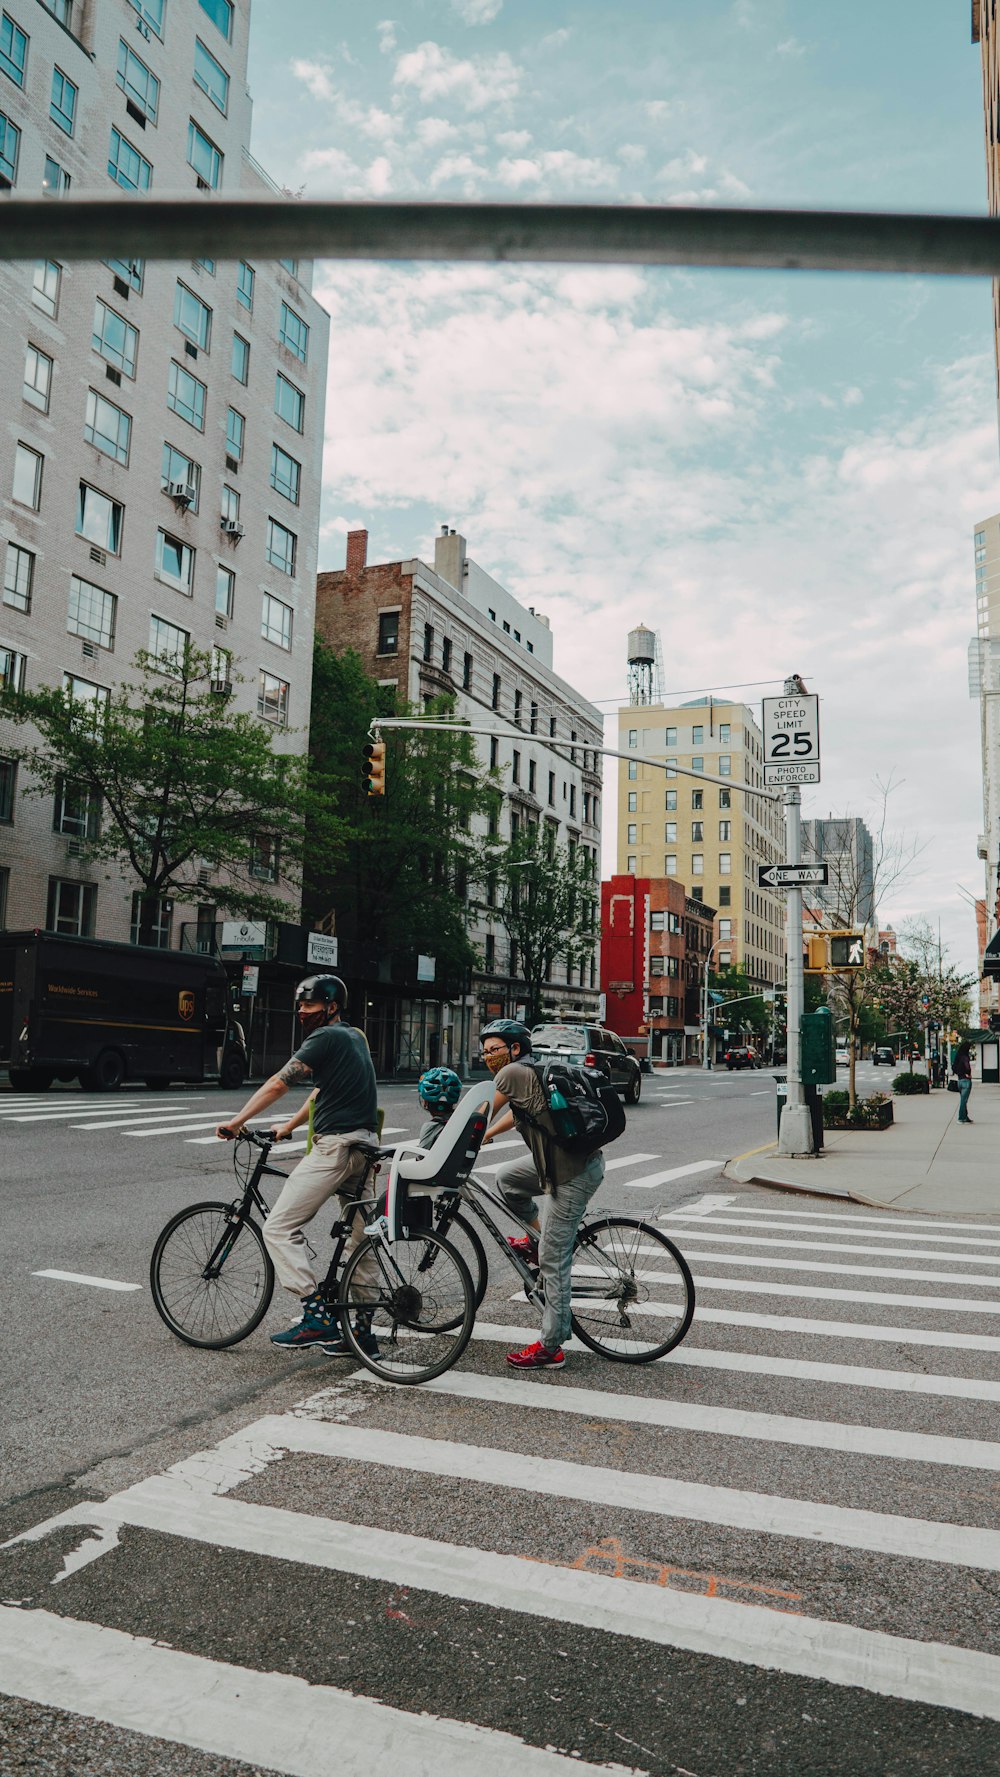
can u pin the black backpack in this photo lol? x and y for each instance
(585, 1108)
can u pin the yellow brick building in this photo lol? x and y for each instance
(711, 835)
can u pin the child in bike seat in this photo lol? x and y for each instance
(439, 1091)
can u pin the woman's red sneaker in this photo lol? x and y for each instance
(536, 1357)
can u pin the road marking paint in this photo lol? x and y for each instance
(703, 1206)
(99, 1283)
(761, 1094)
(715, 1233)
(154, 1113)
(890, 1224)
(702, 1357)
(732, 1422)
(175, 1128)
(297, 1141)
(661, 1496)
(820, 1292)
(768, 1262)
(122, 1110)
(664, 1178)
(261, 1718)
(614, 1165)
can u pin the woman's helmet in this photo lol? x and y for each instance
(439, 1090)
(509, 1031)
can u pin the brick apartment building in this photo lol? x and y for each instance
(655, 940)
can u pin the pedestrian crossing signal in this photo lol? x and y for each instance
(847, 951)
(373, 775)
(814, 956)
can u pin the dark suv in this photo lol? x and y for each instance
(884, 1054)
(589, 1045)
(741, 1057)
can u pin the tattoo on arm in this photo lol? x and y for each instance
(294, 1072)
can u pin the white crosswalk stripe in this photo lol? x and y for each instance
(898, 1439)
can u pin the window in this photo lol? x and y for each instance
(107, 427)
(236, 427)
(244, 284)
(8, 784)
(272, 698)
(286, 474)
(130, 271)
(632, 833)
(724, 765)
(670, 832)
(276, 621)
(388, 632)
(230, 504)
(157, 932)
(495, 699)
(446, 655)
(656, 921)
(289, 403)
(10, 142)
(725, 928)
(515, 768)
(428, 641)
(71, 908)
(724, 734)
(697, 864)
(533, 718)
(697, 829)
(633, 737)
(225, 588)
(293, 332)
(725, 863)
(18, 577)
(192, 316)
(518, 703)
(670, 737)
(670, 801)
(281, 546)
(572, 799)
(89, 700)
(13, 50)
(114, 338)
(725, 829)
(203, 156)
(186, 396)
(62, 105)
(91, 612)
(167, 643)
(211, 76)
(671, 768)
(656, 965)
(126, 166)
(466, 672)
(151, 13)
(99, 519)
(12, 669)
(28, 476)
(725, 798)
(697, 736)
(174, 564)
(178, 468)
(138, 83)
(633, 770)
(633, 802)
(37, 379)
(240, 362)
(55, 179)
(725, 896)
(532, 776)
(697, 765)
(552, 789)
(221, 670)
(670, 864)
(697, 894)
(221, 14)
(45, 286)
(631, 866)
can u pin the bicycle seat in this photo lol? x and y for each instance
(369, 1149)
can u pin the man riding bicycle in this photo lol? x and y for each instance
(568, 1180)
(334, 1058)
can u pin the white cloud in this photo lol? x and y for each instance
(657, 109)
(557, 167)
(477, 12)
(432, 131)
(378, 177)
(474, 83)
(513, 140)
(632, 153)
(519, 172)
(457, 166)
(315, 77)
(852, 397)
(556, 39)
(790, 47)
(386, 29)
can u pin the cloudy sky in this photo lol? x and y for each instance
(780, 472)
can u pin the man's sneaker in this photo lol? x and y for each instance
(536, 1357)
(524, 1247)
(340, 1348)
(317, 1322)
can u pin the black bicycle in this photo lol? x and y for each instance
(406, 1307)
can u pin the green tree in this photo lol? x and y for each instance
(411, 856)
(544, 896)
(177, 781)
(751, 1015)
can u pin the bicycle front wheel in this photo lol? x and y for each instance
(459, 1232)
(407, 1309)
(211, 1276)
(633, 1295)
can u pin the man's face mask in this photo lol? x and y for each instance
(310, 1018)
(496, 1059)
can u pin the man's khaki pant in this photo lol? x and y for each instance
(330, 1168)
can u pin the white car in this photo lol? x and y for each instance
(843, 1058)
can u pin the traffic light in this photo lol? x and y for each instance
(847, 950)
(374, 768)
(814, 956)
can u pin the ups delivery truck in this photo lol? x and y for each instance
(105, 1013)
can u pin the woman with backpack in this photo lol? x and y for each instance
(568, 1181)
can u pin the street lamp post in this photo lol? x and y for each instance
(706, 1060)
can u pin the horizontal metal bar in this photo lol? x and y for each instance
(78, 227)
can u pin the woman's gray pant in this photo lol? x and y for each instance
(562, 1215)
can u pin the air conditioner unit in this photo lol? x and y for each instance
(232, 528)
(143, 29)
(221, 687)
(183, 492)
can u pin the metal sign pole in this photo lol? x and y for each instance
(795, 1134)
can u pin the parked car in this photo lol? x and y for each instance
(589, 1045)
(843, 1057)
(741, 1058)
(884, 1054)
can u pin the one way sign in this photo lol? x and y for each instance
(792, 875)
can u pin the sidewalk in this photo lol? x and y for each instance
(926, 1162)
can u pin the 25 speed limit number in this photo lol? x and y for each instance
(791, 739)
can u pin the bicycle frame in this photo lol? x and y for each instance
(470, 1196)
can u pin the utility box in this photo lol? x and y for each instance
(819, 1053)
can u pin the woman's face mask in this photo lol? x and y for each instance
(496, 1059)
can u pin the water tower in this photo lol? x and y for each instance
(643, 666)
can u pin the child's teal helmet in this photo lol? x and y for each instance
(439, 1089)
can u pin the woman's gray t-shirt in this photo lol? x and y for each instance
(340, 1062)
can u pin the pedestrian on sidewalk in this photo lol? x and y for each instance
(962, 1069)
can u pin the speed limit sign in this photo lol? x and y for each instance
(791, 739)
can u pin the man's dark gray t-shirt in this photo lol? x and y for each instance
(341, 1065)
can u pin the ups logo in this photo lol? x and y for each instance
(185, 1004)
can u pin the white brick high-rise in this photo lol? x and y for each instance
(160, 454)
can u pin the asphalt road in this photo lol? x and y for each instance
(774, 1552)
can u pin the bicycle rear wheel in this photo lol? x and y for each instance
(633, 1295)
(407, 1309)
(211, 1276)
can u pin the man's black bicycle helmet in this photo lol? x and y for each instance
(510, 1031)
(327, 988)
